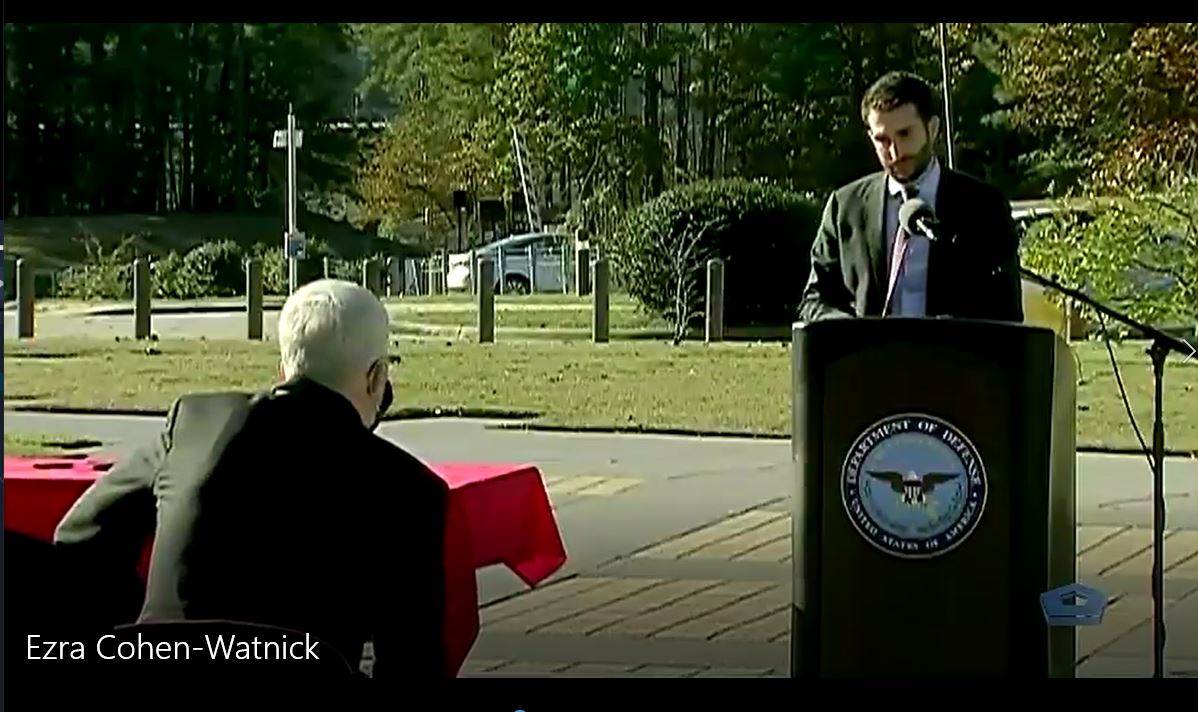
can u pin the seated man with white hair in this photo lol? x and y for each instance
(283, 507)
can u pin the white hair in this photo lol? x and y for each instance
(331, 331)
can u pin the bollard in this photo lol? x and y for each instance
(141, 298)
(24, 299)
(253, 299)
(564, 271)
(372, 276)
(443, 273)
(582, 272)
(486, 301)
(430, 278)
(532, 270)
(411, 277)
(599, 303)
(328, 267)
(394, 277)
(715, 300)
(10, 274)
(377, 277)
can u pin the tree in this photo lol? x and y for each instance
(444, 137)
(1137, 253)
(1113, 106)
(153, 118)
(1114, 110)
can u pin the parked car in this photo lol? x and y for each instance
(1025, 212)
(511, 258)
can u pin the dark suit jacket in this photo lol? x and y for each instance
(974, 277)
(281, 508)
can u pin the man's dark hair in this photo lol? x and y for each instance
(898, 88)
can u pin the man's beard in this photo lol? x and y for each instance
(921, 161)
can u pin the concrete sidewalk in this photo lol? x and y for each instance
(679, 551)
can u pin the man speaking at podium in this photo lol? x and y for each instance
(952, 250)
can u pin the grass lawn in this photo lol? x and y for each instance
(541, 299)
(725, 388)
(539, 311)
(529, 318)
(26, 444)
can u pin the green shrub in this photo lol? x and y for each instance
(172, 280)
(104, 276)
(209, 270)
(274, 268)
(219, 268)
(762, 232)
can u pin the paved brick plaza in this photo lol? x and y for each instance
(715, 602)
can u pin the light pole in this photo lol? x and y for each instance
(293, 240)
(948, 111)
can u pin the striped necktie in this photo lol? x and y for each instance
(898, 254)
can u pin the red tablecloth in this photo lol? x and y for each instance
(498, 514)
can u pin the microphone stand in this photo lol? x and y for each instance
(1162, 344)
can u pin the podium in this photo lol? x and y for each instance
(934, 498)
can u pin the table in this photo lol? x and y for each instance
(499, 514)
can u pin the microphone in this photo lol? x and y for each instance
(916, 216)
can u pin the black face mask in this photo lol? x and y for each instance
(388, 397)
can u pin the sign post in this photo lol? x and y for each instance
(293, 239)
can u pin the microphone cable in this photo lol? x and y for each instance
(1158, 518)
(1158, 508)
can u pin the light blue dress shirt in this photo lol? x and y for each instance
(911, 292)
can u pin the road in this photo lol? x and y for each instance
(209, 325)
(679, 551)
(228, 323)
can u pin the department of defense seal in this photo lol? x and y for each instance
(914, 486)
